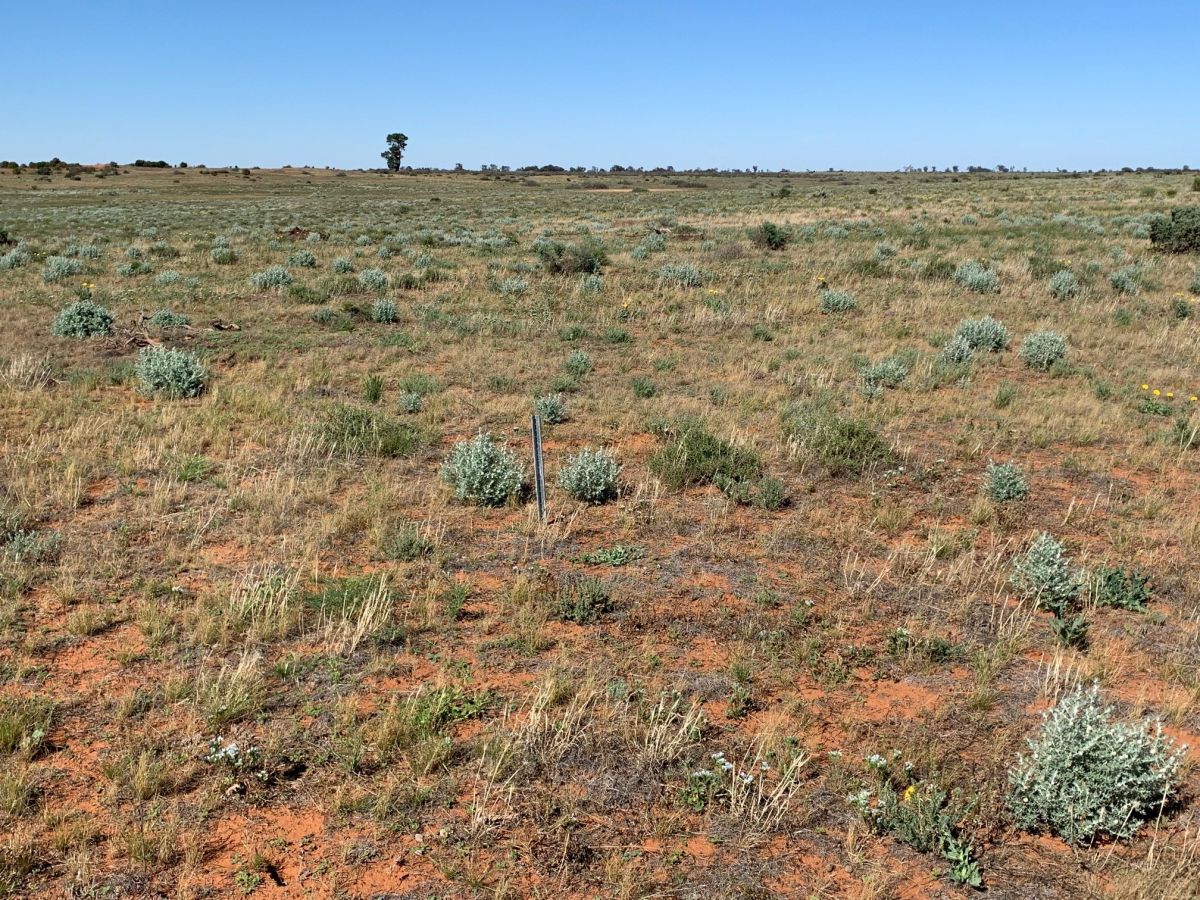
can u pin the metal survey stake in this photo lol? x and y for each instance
(539, 473)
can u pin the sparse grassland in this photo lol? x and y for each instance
(789, 627)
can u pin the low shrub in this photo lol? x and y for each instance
(362, 432)
(551, 409)
(975, 276)
(683, 275)
(483, 472)
(383, 311)
(1063, 285)
(1044, 575)
(1043, 349)
(694, 456)
(163, 372)
(770, 236)
(557, 258)
(1004, 482)
(837, 301)
(590, 476)
(83, 319)
(165, 318)
(59, 267)
(1087, 776)
(985, 334)
(843, 445)
(373, 279)
(1178, 234)
(273, 277)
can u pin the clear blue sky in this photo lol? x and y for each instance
(795, 85)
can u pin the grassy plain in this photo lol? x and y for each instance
(420, 702)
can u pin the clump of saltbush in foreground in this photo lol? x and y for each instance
(976, 277)
(373, 279)
(163, 372)
(837, 301)
(551, 409)
(587, 258)
(59, 267)
(383, 311)
(1043, 349)
(682, 275)
(984, 333)
(1005, 482)
(887, 373)
(590, 476)
(82, 319)
(1063, 285)
(271, 277)
(1044, 576)
(165, 318)
(1087, 777)
(483, 472)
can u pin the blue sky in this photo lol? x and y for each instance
(792, 85)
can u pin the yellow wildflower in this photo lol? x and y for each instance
(910, 792)
(1145, 387)
(1156, 392)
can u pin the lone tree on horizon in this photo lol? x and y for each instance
(397, 143)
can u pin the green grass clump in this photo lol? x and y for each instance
(590, 476)
(1087, 776)
(842, 444)
(583, 600)
(83, 319)
(1118, 587)
(163, 372)
(405, 543)
(24, 724)
(694, 456)
(483, 472)
(362, 432)
(223, 256)
(1042, 349)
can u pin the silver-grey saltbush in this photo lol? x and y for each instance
(82, 319)
(1043, 349)
(590, 476)
(483, 472)
(1087, 776)
(163, 372)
